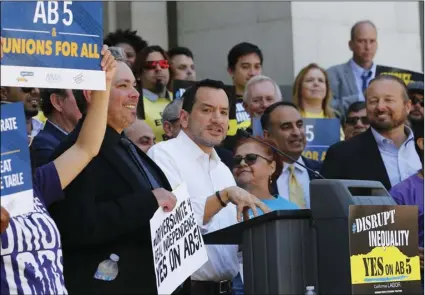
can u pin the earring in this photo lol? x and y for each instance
(270, 179)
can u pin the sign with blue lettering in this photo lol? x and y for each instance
(320, 134)
(15, 166)
(52, 44)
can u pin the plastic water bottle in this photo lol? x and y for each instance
(108, 269)
(310, 290)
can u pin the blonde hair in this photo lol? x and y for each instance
(328, 111)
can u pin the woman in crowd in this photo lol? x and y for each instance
(312, 94)
(31, 254)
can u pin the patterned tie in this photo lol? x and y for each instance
(365, 76)
(296, 194)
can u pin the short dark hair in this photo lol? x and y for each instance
(240, 50)
(180, 51)
(46, 104)
(354, 27)
(390, 77)
(189, 96)
(127, 37)
(81, 101)
(265, 118)
(418, 132)
(355, 107)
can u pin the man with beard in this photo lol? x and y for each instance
(30, 97)
(416, 94)
(282, 123)
(152, 71)
(216, 200)
(386, 151)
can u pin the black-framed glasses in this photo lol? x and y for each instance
(250, 159)
(416, 100)
(353, 120)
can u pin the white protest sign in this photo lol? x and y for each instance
(177, 244)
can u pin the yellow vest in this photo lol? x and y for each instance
(40, 116)
(153, 115)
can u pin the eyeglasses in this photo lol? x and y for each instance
(353, 120)
(249, 159)
(151, 65)
(416, 100)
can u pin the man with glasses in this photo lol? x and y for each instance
(416, 95)
(152, 72)
(356, 120)
(30, 97)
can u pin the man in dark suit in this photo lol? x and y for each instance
(283, 124)
(108, 206)
(62, 113)
(386, 151)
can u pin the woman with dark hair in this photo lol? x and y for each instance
(31, 251)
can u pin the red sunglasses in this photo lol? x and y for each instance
(151, 65)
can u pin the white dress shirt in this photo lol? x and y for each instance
(302, 177)
(182, 160)
(402, 162)
(358, 71)
(37, 126)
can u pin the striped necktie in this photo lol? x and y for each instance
(296, 193)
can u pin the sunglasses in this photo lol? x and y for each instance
(27, 89)
(353, 120)
(415, 101)
(151, 65)
(250, 159)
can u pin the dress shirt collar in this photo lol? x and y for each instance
(297, 167)
(359, 71)
(57, 127)
(191, 149)
(153, 96)
(383, 141)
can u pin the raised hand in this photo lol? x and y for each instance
(108, 63)
(4, 220)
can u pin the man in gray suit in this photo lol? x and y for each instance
(349, 80)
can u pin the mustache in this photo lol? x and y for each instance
(214, 126)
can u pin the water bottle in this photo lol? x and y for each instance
(108, 269)
(310, 290)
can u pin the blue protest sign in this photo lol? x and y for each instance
(320, 134)
(52, 44)
(15, 166)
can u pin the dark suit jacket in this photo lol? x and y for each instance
(44, 144)
(312, 164)
(106, 210)
(356, 158)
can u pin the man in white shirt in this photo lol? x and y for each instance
(216, 200)
(282, 123)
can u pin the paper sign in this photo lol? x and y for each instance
(405, 75)
(320, 135)
(384, 255)
(52, 44)
(177, 244)
(15, 167)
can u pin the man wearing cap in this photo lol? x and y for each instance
(416, 94)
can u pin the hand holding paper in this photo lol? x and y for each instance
(4, 220)
(166, 200)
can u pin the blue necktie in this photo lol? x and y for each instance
(139, 163)
(365, 76)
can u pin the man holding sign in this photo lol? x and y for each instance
(215, 198)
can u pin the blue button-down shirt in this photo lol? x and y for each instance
(358, 71)
(402, 162)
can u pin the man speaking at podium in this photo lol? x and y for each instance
(216, 200)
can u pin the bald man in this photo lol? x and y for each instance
(141, 134)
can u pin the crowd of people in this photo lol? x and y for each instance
(105, 161)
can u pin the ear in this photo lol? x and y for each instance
(408, 106)
(266, 134)
(230, 71)
(3, 93)
(350, 45)
(420, 143)
(87, 95)
(56, 102)
(184, 119)
(273, 167)
(167, 128)
(247, 109)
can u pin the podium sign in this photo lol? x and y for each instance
(384, 249)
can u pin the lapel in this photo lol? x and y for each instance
(372, 159)
(55, 132)
(349, 78)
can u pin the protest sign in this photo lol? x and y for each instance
(177, 243)
(320, 134)
(15, 166)
(52, 44)
(384, 254)
(405, 75)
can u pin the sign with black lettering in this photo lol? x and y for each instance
(320, 135)
(405, 75)
(15, 166)
(52, 44)
(177, 244)
(384, 253)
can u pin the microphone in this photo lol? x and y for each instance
(244, 133)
